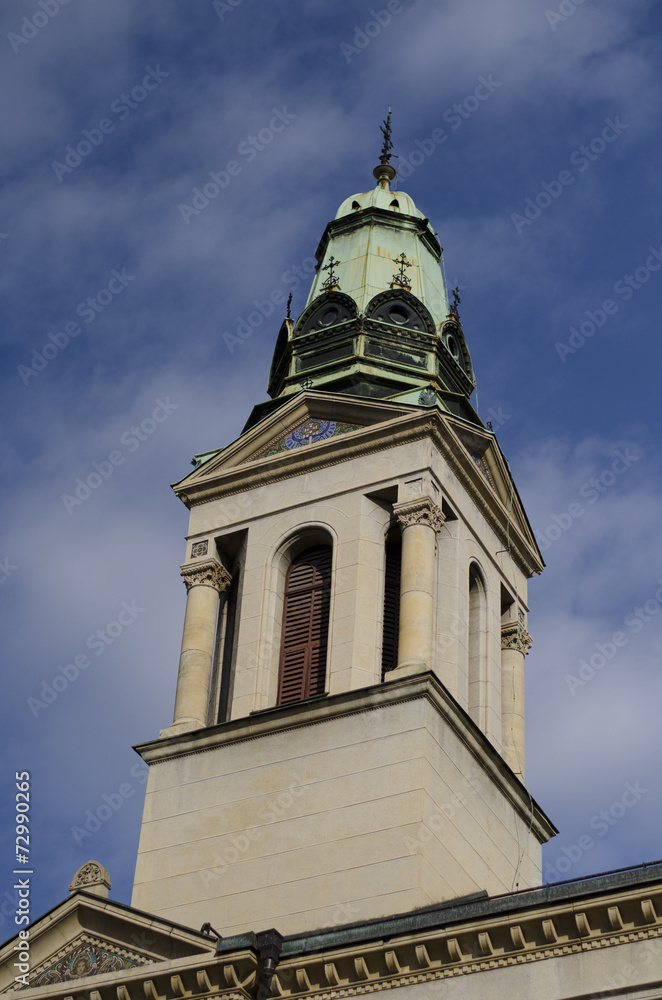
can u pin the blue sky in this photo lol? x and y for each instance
(518, 87)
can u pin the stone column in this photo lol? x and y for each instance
(420, 520)
(204, 583)
(515, 644)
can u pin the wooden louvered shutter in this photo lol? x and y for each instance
(391, 605)
(302, 672)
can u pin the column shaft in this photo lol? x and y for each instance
(420, 520)
(204, 583)
(416, 596)
(515, 644)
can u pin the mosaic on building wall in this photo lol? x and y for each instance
(86, 960)
(480, 462)
(309, 432)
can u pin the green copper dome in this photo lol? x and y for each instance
(377, 321)
(368, 237)
(379, 197)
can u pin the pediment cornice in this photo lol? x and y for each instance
(471, 453)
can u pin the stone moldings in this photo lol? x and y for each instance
(421, 511)
(621, 927)
(439, 957)
(92, 877)
(515, 636)
(206, 574)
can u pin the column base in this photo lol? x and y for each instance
(182, 726)
(409, 669)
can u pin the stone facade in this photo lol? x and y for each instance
(400, 828)
(378, 801)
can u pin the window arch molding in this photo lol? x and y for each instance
(284, 553)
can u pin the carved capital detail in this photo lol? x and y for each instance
(206, 574)
(423, 510)
(515, 636)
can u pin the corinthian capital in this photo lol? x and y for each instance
(515, 636)
(423, 510)
(206, 574)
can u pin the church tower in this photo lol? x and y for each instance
(348, 735)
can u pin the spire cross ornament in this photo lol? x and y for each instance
(385, 173)
(332, 280)
(385, 129)
(456, 302)
(401, 277)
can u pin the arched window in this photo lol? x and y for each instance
(302, 671)
(391, 601)
(477, 640)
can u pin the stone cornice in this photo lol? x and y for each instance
(320, 710)
(300, 406)
(287, 465)
(88, 918)
(454, 943)
(495, 512)
(207, 573)
(392, 433)
(457, 949)
(196, 978)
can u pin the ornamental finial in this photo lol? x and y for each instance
(453, 311)
(385, 172)
(385, 129)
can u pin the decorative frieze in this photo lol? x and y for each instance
(515, 636)
(206, 574)
(476, 947)
(429, 954)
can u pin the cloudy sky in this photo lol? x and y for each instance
(116, 300)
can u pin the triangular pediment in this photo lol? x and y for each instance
(484, 451)
(315, 429)
(308, 419)
(87, 955)
(86, 936)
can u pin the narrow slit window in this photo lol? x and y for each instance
(391, 603)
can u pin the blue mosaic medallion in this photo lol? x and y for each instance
(310, 432)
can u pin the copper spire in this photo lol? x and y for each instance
(385, 172)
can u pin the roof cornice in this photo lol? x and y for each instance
(200, 487)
